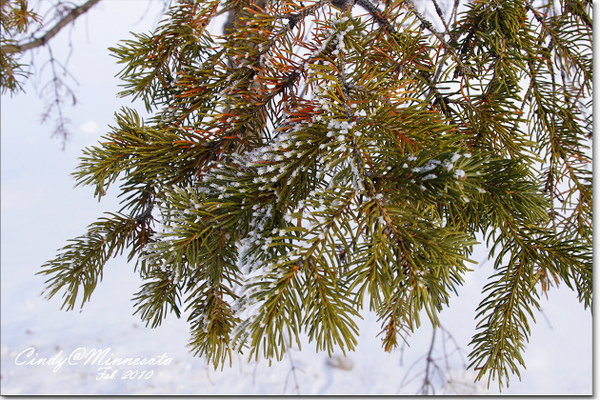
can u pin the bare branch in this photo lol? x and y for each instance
(427, 383)
(70, 17)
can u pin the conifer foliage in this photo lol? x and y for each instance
(315, 158)
(15, 18)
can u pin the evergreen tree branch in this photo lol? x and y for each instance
(296, 173)
(80, 264)
(504, 327)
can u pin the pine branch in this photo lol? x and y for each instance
(504, 328)
(297, 171)
(80, 264)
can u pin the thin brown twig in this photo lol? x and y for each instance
(41, 41)
(429, 361)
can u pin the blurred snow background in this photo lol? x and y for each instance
(41, 210)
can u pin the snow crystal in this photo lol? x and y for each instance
(306, 214)
(266, 244)
(460, 174)
(431, 164)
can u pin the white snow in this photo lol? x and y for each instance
(460, 174)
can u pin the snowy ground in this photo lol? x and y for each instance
(558, 359)
(41, 210)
